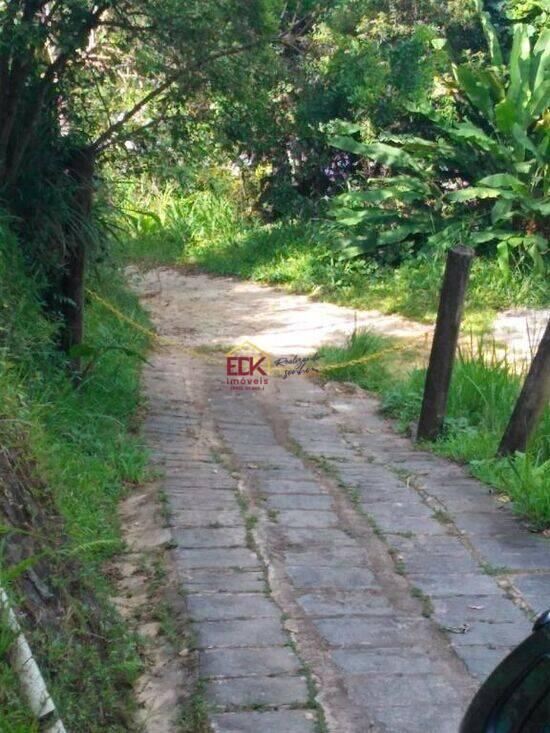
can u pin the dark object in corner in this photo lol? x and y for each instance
(516, 696)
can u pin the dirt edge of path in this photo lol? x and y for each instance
(150, 602)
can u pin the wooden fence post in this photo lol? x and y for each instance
(531, 402)
(447, 327)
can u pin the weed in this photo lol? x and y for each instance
(355, 496)
(494, 570)
(378, 531)
(442, 516)
(427, 605)
(164, 615)
(251, 520)
(194, 715)
(398, 562)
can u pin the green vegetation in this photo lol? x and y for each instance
(19, 719)
(79, 452)
(482, 396)
(494, 156)
(211, 230)
(203, 134)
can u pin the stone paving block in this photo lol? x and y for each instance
(328, 556)
(486, 524)
(494, 635)
(218, 557)
(199, 481)
(238, 692)
(220, 501)
(204, 537)
(425, 563)
(419, 719)
(456, 610)
(343, 578)
(280, 721)
(370, 631)
(248, 662)
(220, 606)
(305, 518)
(345, 603)
(202, 493)
(478, 501)
(227, 580)
(292, 486)
(481, 660)
(274, 475)
(410, 507)
(391, 523)
(240, 633)
(381, 495)
(412, 692)
(387, 661)
(456, 584)
(206, 518)
(535, 589)
(431, 544)
(299, 501)
(329, 537)
(517, 553)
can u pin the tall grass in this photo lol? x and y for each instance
(166, 222)
(84, 449)
(483, 392)
(212, 227)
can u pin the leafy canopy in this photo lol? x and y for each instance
(481, 179)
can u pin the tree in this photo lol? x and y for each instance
(80, 78)
(480, 179)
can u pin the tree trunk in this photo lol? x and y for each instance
(447, 329)
(531, 402)
(71, 291)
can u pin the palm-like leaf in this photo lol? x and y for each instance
(483, 178)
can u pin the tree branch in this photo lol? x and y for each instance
(106, 137)
(45, 84)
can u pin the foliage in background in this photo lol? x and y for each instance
(82, 81)
(482, 179)
(362, 61)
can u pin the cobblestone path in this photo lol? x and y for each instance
(337, 578)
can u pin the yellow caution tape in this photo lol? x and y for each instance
(165, 341)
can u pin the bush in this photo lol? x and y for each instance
(481, 179)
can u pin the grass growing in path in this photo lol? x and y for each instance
(483, 393)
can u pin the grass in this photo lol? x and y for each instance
(483, 393)
(212, 230)
(194, 716)
(15, 717)
(82, 452)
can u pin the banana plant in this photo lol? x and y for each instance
(482, 180)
